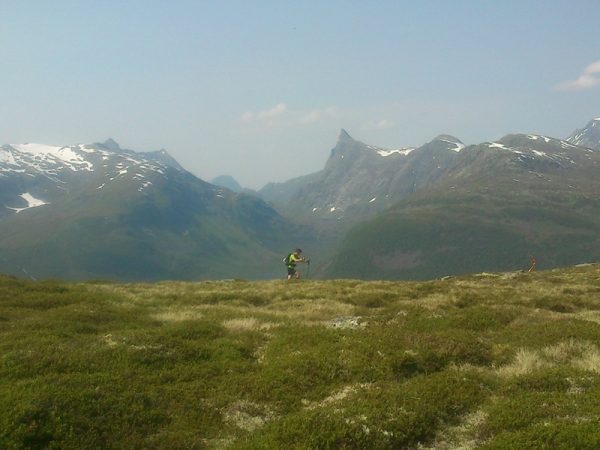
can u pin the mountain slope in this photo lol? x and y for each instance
(588, 136)
(498, 204)
(111, 213)
(359, 180)
(489, 361)
(227, 181)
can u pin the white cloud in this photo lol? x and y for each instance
(383, 124)
(587, 80)
(248, 116)
(281, 115)
(312, 116)
(316, 115)
(266, 117)
(272, 113)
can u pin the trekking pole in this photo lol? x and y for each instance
(532, 264)
(308, 269)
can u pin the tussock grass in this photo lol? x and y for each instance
(462, 436)
(571, 353)
(177, 314)
(492, 361)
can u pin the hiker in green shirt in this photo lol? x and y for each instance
(291, 260)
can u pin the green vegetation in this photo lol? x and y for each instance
(434, 234)
(493, 361)
(180, 230)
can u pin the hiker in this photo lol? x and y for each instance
(291, 260)
(532, 264)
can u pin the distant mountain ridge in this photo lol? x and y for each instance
(588, 136)
(443, 208)
(47, 172)
(97, 210)
(497, 205)
(360, 180)
(227, 181)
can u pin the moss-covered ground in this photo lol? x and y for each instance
(491, 361)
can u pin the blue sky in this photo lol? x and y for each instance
(260, 89)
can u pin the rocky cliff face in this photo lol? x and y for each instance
(360, 180)
(498, 204)
(588, 136)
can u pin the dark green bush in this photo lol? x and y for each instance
(392, 415)
(552, 435)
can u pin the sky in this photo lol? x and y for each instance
(260, 89)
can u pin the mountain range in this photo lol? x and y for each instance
(99, 211)
(444, 208)
(360, 179)
(227, 181)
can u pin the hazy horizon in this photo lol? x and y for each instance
(260, 90)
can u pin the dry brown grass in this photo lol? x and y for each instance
(584, 355)
(462, 436)
(337, 396)
(177, 314)
(247, 324)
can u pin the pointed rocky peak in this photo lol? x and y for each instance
(344, 136)
(450, 142)
(227, 181)
(112, 145)
(588, 136)
(164, 157)
(448, 138)
(345, 151)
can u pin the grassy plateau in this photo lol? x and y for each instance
(490, 361)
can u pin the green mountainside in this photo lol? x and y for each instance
(100, 211)
(360, 180)
(500, 204)
(488, 361)
(227, 181)
(132, 216)
(178, 230)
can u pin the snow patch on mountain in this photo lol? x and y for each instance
(567, 145)
(499, 145)
(62, 168)
(535, 137)
(587, 137)
(403, 152)
(32, 202)
(6, 156)
(385, 152)
(144, 185)
(458, 145)
(66, 155)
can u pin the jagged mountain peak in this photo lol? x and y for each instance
(227, 181)
(35, 174)
(345, 136)
(448, 141)
(588, 136)
(447, 137)
(111, 144)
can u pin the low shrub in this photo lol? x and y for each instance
(389, 415)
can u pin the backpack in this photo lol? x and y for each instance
(286, 260)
